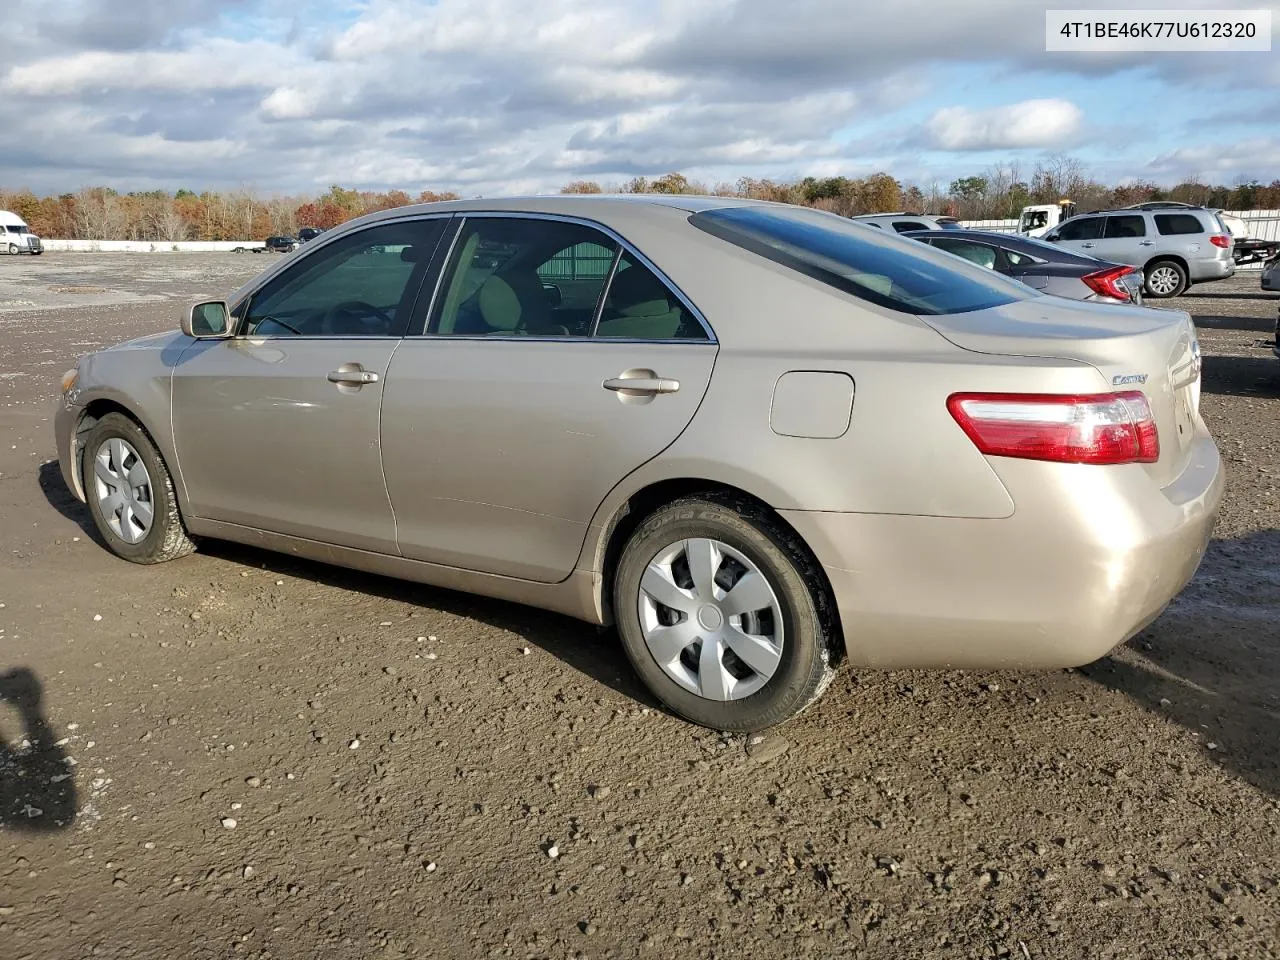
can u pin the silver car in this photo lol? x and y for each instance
(1173, 248)
(760, 440)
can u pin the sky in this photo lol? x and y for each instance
(492, 97)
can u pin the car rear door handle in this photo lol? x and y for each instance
(352, 375)
(1146, 243)
(642, 385)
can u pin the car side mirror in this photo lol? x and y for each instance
(208, 320)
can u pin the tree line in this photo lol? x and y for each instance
(1001, 191)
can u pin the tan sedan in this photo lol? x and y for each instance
(759, 439)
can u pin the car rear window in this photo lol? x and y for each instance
(890, 271)
(1178, 223)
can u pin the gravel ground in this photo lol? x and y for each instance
(240, 754)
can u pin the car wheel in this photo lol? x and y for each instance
(724, 614)
(13, 250)
(130, 493)
(1165, 278)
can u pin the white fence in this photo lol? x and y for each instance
(1262, 224)
(147, 246)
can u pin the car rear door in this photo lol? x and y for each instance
(507, 422)
(276, 428)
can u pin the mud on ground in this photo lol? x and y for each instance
(239, 754)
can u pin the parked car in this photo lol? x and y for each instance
(1271, 275)
(16, 237)
(903, 222)
(1044, 266)
(308, 233)
(759, 439)
(281, 244)
(1174, 248)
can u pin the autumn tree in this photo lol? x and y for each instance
(581, 186)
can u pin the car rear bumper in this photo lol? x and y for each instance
(1216, 269)
(1090, 556)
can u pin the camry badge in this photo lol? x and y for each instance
(1121, 379)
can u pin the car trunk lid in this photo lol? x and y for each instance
(1133, 348)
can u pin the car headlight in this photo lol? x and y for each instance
(69, 380)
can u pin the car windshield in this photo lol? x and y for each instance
(17, 228)
(885, 269)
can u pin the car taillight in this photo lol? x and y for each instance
(1100, 428)
(1107, 282)
(1220, 240)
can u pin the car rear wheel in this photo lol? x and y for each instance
(1165, 278)
(130, 493)
(14, 250)
(722, 613)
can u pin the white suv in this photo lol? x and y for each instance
(902, 222)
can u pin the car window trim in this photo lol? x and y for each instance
(604, 293)
(314, 247)
(422, 331)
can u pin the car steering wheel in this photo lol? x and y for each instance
(354, 308)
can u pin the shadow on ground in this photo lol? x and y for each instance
(37, 788)
(1242, 376)
(1212, 661)
(587, 649)
(64, 501)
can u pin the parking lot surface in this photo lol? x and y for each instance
(241, 754)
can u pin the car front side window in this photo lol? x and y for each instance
(1086, 228)
(362, 285)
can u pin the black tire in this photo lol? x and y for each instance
(13, 250)
(807, 610)
(167, 539)
(1163, 268)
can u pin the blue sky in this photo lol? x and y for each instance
(502, 96)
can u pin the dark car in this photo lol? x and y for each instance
(281, 244)
(1050, 269)
(308, 233)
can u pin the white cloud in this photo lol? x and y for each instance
(1049, 123)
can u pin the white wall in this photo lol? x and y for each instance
(146, 246)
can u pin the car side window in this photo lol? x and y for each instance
(639, 306)
(902, 226)
(1017, 259)
(1086, 228)
(363, 285)
(979, 253)
(1127, 225)
(523, 276)
(1176, 224)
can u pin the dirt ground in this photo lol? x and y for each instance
(240, 754)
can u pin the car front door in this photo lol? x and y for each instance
(1079, 234)
(276, 428)
(506, 424)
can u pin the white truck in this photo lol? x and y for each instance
(16, 236)
(1038, 219)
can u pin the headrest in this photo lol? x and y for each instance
(499, 304)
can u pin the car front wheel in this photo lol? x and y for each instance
(723, 613)
(130, 493)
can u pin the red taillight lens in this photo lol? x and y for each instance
(1220, 240)
(1101, 428)
(1107, 282)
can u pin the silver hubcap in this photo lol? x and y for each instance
(710, 619)
(1163, 280)
(123, 487)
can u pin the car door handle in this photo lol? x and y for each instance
(356, 377)
(1146, 243)
(642, 385)
(1087, 245)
